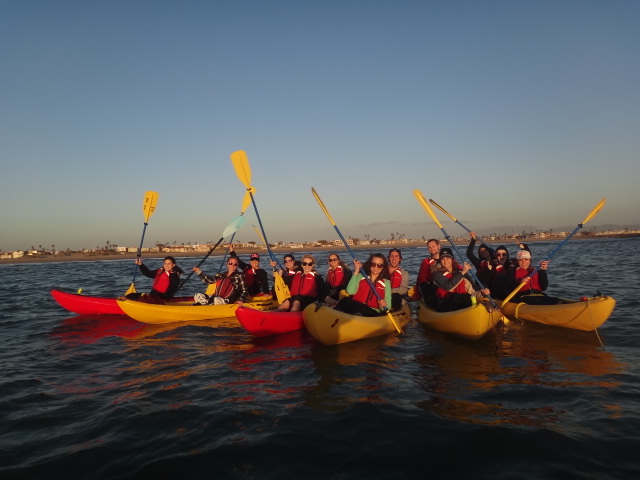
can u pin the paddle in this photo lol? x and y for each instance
(241, 165)
(148, 207)
(373, 288)
(423, 202)
(232, 228)
(455, 220)
(281, 288)
(592, 214)
(245, 203)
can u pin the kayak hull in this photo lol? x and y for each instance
(584, 315)
(262, 323)
(470, 323)
(86, 305)
(332, 327)
(187, 312)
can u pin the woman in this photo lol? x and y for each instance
(364, 301)
(338, 277)
(532, 292)
(307, 286)
(453, 289)
(230, 286)
(165, 281)
(291, 266)
(483, 262)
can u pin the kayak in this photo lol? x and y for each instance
(331, 326)
(88, 305)
(261, 323)
(586, 315)
(471, 323)
(187, 312)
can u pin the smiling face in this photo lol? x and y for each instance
(232, 265)
(524, 262)
(434, 248)
(447, 262)
(307, 264)
(168, 265)
(394, 259)
(501, 256)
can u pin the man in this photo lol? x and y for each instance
(399, 278)
(255, 278)
(230, 286)
(424, 283)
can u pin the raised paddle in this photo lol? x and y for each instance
(425, 204)
(232, 228)
(433, 202)
(245, 203)
(373, 288)
(281, 288)
(148, 207)
(241, 165)
(592, 214)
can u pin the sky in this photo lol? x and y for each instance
(504, 112)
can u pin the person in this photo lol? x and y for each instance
(398, 277)
(363, 300)
(453, 289)
(483, 262)
(166, 281)
(532, 292)
(307, 286)
(230, 286)
(291, 266)
(501, 273)
(424, 284)
(338, 277)
(255, 278)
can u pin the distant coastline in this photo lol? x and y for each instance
(102, 256)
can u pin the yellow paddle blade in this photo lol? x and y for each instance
(246, 201)
(241, 165)
(132, 289)
(324, 209)
(418, 194)
(394, 323)
(259, 234)
(282, 291)
(211, 289)
(149, 204)
(433, 202)
(595, 211)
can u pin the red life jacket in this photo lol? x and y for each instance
(161, 282)
(424, 274)
(304, 284)
(521, 273)
(225, 287)
(442, 293)
(249, 277)
(335, 276)
(396, 278)
(365, 294)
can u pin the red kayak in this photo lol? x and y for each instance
(86, 305)
(264, 323)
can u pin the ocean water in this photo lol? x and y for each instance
(106, 397)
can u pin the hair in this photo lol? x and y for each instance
(344, 266)
(384, 274)
(433, 240)
(175, 268)
(289, 255)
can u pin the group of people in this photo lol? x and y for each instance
(373, 287)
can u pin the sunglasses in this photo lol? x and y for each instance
(307, 264)
(288, 260)
(377, 265)
(231, 263)
(333, 259)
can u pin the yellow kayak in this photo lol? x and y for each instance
(586, 315)
(471, 323)
(187, 312)
(331, 326)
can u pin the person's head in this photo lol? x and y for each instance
(232, 265)
(502, 255)
(335, 261)
(308, 263)
(484, 252)
(254, 259)
(446, 258)
(289, 261)
(395, 258)
(169, 263)
(376, 266)
(433, 246)
(523, 257)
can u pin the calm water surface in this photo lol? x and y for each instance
(108, 397)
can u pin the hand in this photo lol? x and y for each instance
(358, 265)
(138, 261)
(473, 235)
(465, 268)
(196, 270)
(544, 264)
(383, 304)
(486, 292)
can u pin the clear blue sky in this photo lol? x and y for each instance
(504, 112)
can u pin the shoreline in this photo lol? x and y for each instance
(87, 257)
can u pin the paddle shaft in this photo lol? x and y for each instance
(455, 220)
(135, 268)
(200, 263)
